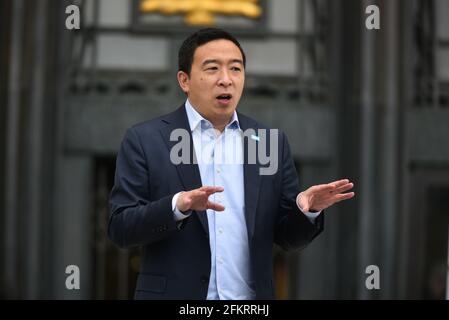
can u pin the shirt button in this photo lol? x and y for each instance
(220, 230)
(218, 171)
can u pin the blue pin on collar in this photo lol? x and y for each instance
(254, 137)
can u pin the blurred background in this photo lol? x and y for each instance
(369, 105)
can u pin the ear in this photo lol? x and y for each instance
(183, 80)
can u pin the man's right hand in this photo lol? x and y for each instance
(198, 199)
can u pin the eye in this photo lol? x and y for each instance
(212, 68)
(236, 69)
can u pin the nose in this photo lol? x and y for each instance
(224, 80)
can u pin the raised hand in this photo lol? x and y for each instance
(198, 199)
(320, 197)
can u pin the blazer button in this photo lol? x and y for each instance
(204, 279)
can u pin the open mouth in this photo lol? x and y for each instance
(224, 97)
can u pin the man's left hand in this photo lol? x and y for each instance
(320, 197)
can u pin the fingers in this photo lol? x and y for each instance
(322, 188)
(215, 206)
(339, 183)
(344, 196)
(344, 188)
(205, 191)
(211, 189)
(197, 193)
(198, 199)
(335, 187)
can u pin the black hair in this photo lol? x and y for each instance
(200, 37)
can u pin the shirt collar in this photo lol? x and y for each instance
(195, 119)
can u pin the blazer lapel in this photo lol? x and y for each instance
(189, 173)
(251, 175)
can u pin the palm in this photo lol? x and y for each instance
(322, 196)
(198, 199)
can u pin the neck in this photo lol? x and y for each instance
(219, 127)
(219, 123)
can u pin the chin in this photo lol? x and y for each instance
(225, 111)
(225, 108)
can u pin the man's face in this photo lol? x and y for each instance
(216, 80)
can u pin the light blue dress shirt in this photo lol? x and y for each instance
(220, 162)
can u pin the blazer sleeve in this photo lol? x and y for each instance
(134, 219)
(293, 230)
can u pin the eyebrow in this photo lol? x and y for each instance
(217, 61)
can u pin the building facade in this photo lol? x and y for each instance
(369, 105)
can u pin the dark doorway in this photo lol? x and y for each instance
(436, 248)
(427, 238)
(115, 270)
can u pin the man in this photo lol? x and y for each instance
(207, 225)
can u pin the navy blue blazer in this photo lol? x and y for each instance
(176, 260)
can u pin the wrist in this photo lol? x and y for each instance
(180, 204)
(299, 201)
